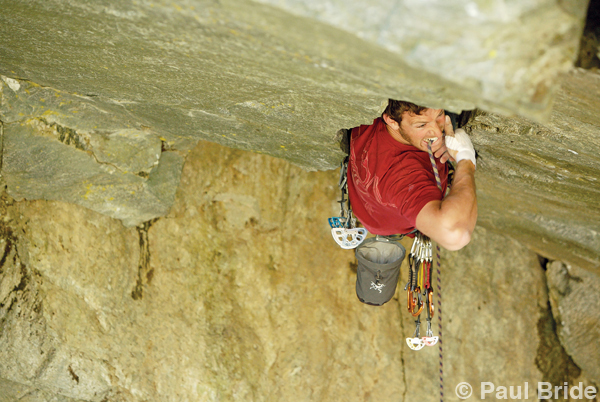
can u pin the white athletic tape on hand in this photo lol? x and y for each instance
(461, 143)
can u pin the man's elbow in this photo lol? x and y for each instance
(449, 228)
(456, 239)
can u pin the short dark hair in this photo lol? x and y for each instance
(395, 108)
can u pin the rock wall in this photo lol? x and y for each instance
(59, 146)
(240, 294)
(575, 298)
(107, 120)
(538, 183)
(124, 278)
(507, 52)
(256, 77)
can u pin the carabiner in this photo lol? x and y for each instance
(431, 306)
(418, 311)
(414, 245)
(417, 302)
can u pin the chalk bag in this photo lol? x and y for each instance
(379, 261)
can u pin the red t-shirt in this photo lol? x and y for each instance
(389, 182)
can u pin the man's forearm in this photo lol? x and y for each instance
(460, 206)
(451, 222)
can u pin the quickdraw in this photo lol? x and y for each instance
(343, 227)
(419, 292)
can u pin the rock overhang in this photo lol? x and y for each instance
(281, 81)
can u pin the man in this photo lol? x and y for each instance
(391, 183)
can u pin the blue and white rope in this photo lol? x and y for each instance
(439, 281)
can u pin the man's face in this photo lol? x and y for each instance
(415, 129)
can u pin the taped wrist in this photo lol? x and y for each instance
(466, 154)
(461, 143)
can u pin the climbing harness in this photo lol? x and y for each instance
(343, 227)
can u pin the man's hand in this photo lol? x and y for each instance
(443, 153)
(459, 144)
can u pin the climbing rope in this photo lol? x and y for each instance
(439, 280)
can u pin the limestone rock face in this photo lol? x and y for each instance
(575, 299)
(58, 146)
(240, 294)
(140, 263)
(238, 73)
(507, 52)
(539, 183)
(247, 75)
(106, 121)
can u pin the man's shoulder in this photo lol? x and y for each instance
(345, 136)
(368, 129)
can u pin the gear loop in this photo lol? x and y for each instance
(343, 227)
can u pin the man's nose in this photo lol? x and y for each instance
(436, 130)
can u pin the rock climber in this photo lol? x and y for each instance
(391, 182)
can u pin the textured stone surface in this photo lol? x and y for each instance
(234, 72)
(240, 293)
(540, 183)
(58, 146)
(14, 391)
(575, 299)
(537, 183)
(507, 52)
(133, 87)
(247, 75)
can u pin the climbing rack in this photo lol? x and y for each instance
(343, 227)
(419, 290)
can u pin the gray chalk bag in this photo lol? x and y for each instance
(379, 261)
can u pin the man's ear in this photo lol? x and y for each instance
(391, 122)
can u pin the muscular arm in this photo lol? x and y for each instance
(451, 222)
